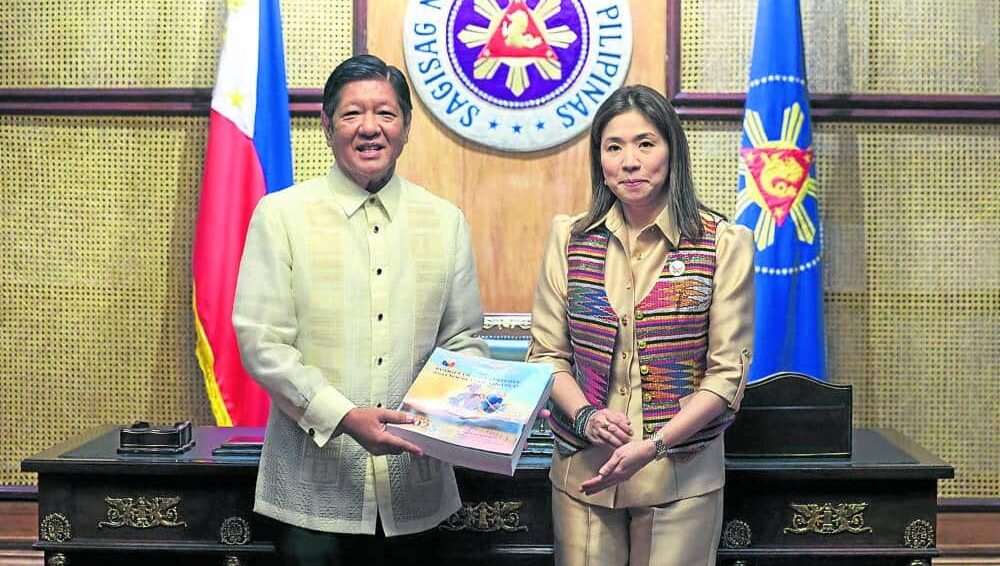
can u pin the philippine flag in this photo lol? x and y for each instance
(248, 155)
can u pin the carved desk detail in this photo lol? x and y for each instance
(919, 534)
(142, 513)
(736, 534)
(235, 531)
(486, 517)
(828, 519)
(55, 527)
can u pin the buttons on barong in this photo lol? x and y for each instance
(622, 390)
(644, 369)
(677, 268)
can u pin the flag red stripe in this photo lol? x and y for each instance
(232, 185)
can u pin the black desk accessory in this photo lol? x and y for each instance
(142, 438)
(792, 415)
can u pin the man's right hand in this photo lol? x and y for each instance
(367, 427)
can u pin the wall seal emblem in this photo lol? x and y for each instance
(516, 75)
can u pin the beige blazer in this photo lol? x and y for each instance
(631, 270)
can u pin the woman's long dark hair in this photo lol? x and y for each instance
(682, 200)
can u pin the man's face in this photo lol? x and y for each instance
(366, 132)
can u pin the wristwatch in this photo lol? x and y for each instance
(661, 448)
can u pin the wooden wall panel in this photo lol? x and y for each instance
(18, 523)
(970, 534)
(21, 558)
(18, 529)
(509, 199)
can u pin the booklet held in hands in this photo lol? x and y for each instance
(474, 412)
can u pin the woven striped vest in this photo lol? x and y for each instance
(671, 330)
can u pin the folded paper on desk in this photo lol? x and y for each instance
(240, 445)
(474, 412)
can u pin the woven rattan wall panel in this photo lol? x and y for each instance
(97, 222)
(96, 327)
(310, 153)
(94, 272)
(318, 36)
(854, 46)
(912, 278)
(155, 44)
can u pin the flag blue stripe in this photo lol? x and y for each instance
(272, 136)
(780, 50)
(788, 331)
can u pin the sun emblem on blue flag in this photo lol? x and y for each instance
(517, 37)
(777, 177)
(777, 198)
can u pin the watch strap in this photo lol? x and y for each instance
(661, 448)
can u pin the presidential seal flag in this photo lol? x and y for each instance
(248, 154)
(776, 198)
(516, 75)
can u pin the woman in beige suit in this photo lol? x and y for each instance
(645, 308)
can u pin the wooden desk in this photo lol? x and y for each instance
(877, 507)
(95, 507)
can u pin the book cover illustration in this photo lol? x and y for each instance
(475, 402)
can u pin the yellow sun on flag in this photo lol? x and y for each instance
(777, 176)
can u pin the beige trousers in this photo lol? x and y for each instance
(681, 533)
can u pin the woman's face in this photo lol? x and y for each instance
(635, 160)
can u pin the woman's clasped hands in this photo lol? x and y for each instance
(611, 428)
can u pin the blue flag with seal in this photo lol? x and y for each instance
(776, 198)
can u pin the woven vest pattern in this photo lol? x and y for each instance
(671, 326)
(593, 328)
